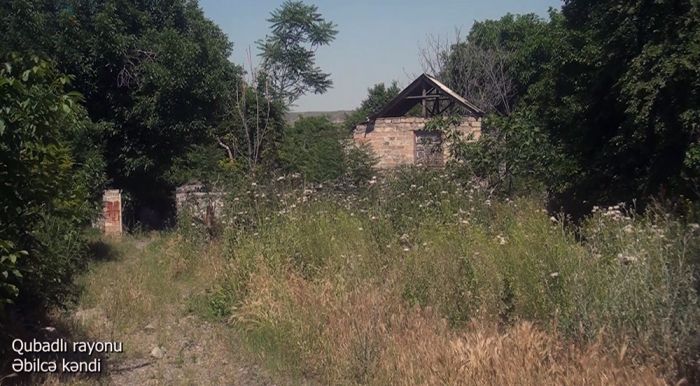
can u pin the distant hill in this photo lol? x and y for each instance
(336, 116)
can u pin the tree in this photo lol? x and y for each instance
(252, 123)
(494, 67)
(377, 96)
(529, 41)
(289, 54)
(620, 96)
(313, 147)
(476, 73)
(155, 72)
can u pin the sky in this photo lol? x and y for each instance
(378, 40)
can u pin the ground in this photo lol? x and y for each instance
(127, 298)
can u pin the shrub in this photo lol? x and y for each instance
(51, 178)
(313, 148)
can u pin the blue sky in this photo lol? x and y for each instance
(378, 40)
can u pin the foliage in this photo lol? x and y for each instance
(528, 40)
(205, 164)
(377, 96)
(619, 97)
(8, 266)
(313, 148)
(41, 125)
(513, 156)
(251, 127)
(288, 55)
(360, 164)
(494, 67)
(605, 90)
(152, 71)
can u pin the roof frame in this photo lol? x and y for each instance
(422, 89)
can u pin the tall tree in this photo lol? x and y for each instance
(497, 62)
(289, 54)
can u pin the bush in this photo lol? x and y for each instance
(52, 179)
(313, 148)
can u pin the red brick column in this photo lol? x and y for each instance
(112, 212)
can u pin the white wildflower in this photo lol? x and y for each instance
(626, 259)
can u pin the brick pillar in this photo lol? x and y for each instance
(112, 212)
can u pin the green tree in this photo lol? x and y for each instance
(494, 67)
(377, 96)
(620, 96)
(313, 147)
(154, 72)
(251, 128)
(289, 54)
(528, 39)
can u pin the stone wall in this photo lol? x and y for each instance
(195, 199)
(395, 141)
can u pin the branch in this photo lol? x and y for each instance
(228, 149)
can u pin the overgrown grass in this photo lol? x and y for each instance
(419, 279)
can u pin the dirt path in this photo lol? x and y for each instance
(133, 299)
(198, 353)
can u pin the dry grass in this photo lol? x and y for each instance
(420, 280)
(153, 284)
(367, 337)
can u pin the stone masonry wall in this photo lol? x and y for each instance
(193, 198)
(394, 140)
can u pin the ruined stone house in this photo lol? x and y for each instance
(400, 140)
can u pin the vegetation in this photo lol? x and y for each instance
(410, 278)
(49, 189)
(377, 97)
(587, 101)
(288, 55)
(313, 148)
(334, 271)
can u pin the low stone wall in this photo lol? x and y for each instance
(195, 199)
(396, 140)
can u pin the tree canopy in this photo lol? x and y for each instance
(289, 53)
(153, 71)
(606, 94)
(377, 96)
